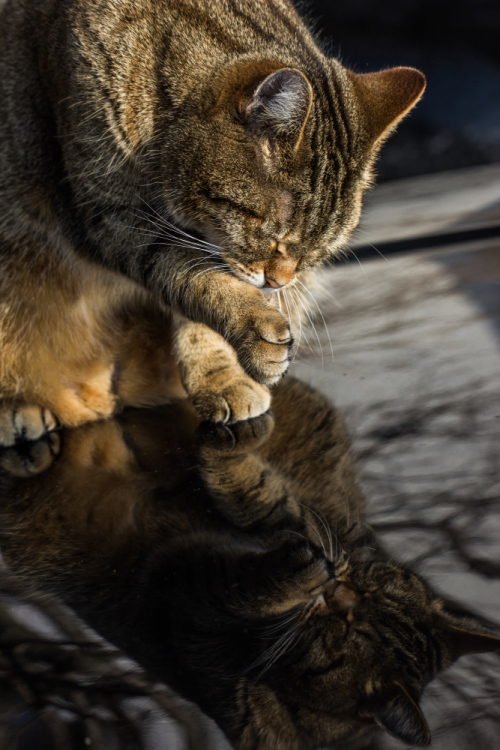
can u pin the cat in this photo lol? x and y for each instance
(164, 166)
(232, 562)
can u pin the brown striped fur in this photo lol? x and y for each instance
(123, 122)
(238, 571)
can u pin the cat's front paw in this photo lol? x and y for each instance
(239, 399)
(24, 422)
(31, 457)
(238, 439)
(28, 443)
(264, 345)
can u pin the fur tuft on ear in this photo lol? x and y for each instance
(280, 105)
(386, 97)
(398, 714)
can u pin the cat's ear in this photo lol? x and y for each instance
(396, 712)
(461, 641)
(279, 107)
(386, 97)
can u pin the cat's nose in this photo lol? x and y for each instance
(272, 283)
(340, 597)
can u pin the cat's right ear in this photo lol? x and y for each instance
(386, 97)
(396, 712)
(278, 109)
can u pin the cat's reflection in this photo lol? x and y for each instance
(232, 564)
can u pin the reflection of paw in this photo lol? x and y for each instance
(242, 398)
(22, 422)
(30, 457)
(241, 437)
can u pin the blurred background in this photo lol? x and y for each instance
(456, 44)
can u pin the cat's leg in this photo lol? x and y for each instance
(310, 445)
(247, 489)
(236, 310)
(301, 478)
(254, 496)
(219, 388)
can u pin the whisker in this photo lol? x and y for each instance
(299, 322)
(279, 300)
(287, 308)
(300, 301)
(360, 264)
(191, 243)
(206, 270)
(292, 640)
(172, 227)
(312, 326)
(327, 529)
(321, 314)
(275, 627)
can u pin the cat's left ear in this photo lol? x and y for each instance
(386, 97)
(462, 640)
(279, 107)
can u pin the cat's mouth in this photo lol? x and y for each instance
(336, 596)
(259, 280)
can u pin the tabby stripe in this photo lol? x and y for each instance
(251, 23)
(210, 25)
(321, 672)
(105, 93)
(278, 505)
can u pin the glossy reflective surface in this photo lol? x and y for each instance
(416, 373)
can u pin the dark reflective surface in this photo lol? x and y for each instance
(107, 503)
(416, 376)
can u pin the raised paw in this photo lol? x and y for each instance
(241, 398)
(25, 459)
(24, 422)
(264, 345)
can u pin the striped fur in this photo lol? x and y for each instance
(124, 123)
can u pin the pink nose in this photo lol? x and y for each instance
(272, 283)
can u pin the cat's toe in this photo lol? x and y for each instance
(240, 400)
(240, 437)
(266, 345)
(28, 458)
(24, 422)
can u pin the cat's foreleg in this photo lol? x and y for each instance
(237, 311)
(219, 388)
(247, 489)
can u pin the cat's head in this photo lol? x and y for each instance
(295, 649)
(272, 167)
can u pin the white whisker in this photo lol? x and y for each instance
(313, 327)
(321, 314)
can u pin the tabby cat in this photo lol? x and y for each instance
(230, 568)
(163, 165)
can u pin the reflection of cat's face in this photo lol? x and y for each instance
(329, 650)
(371, 626)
